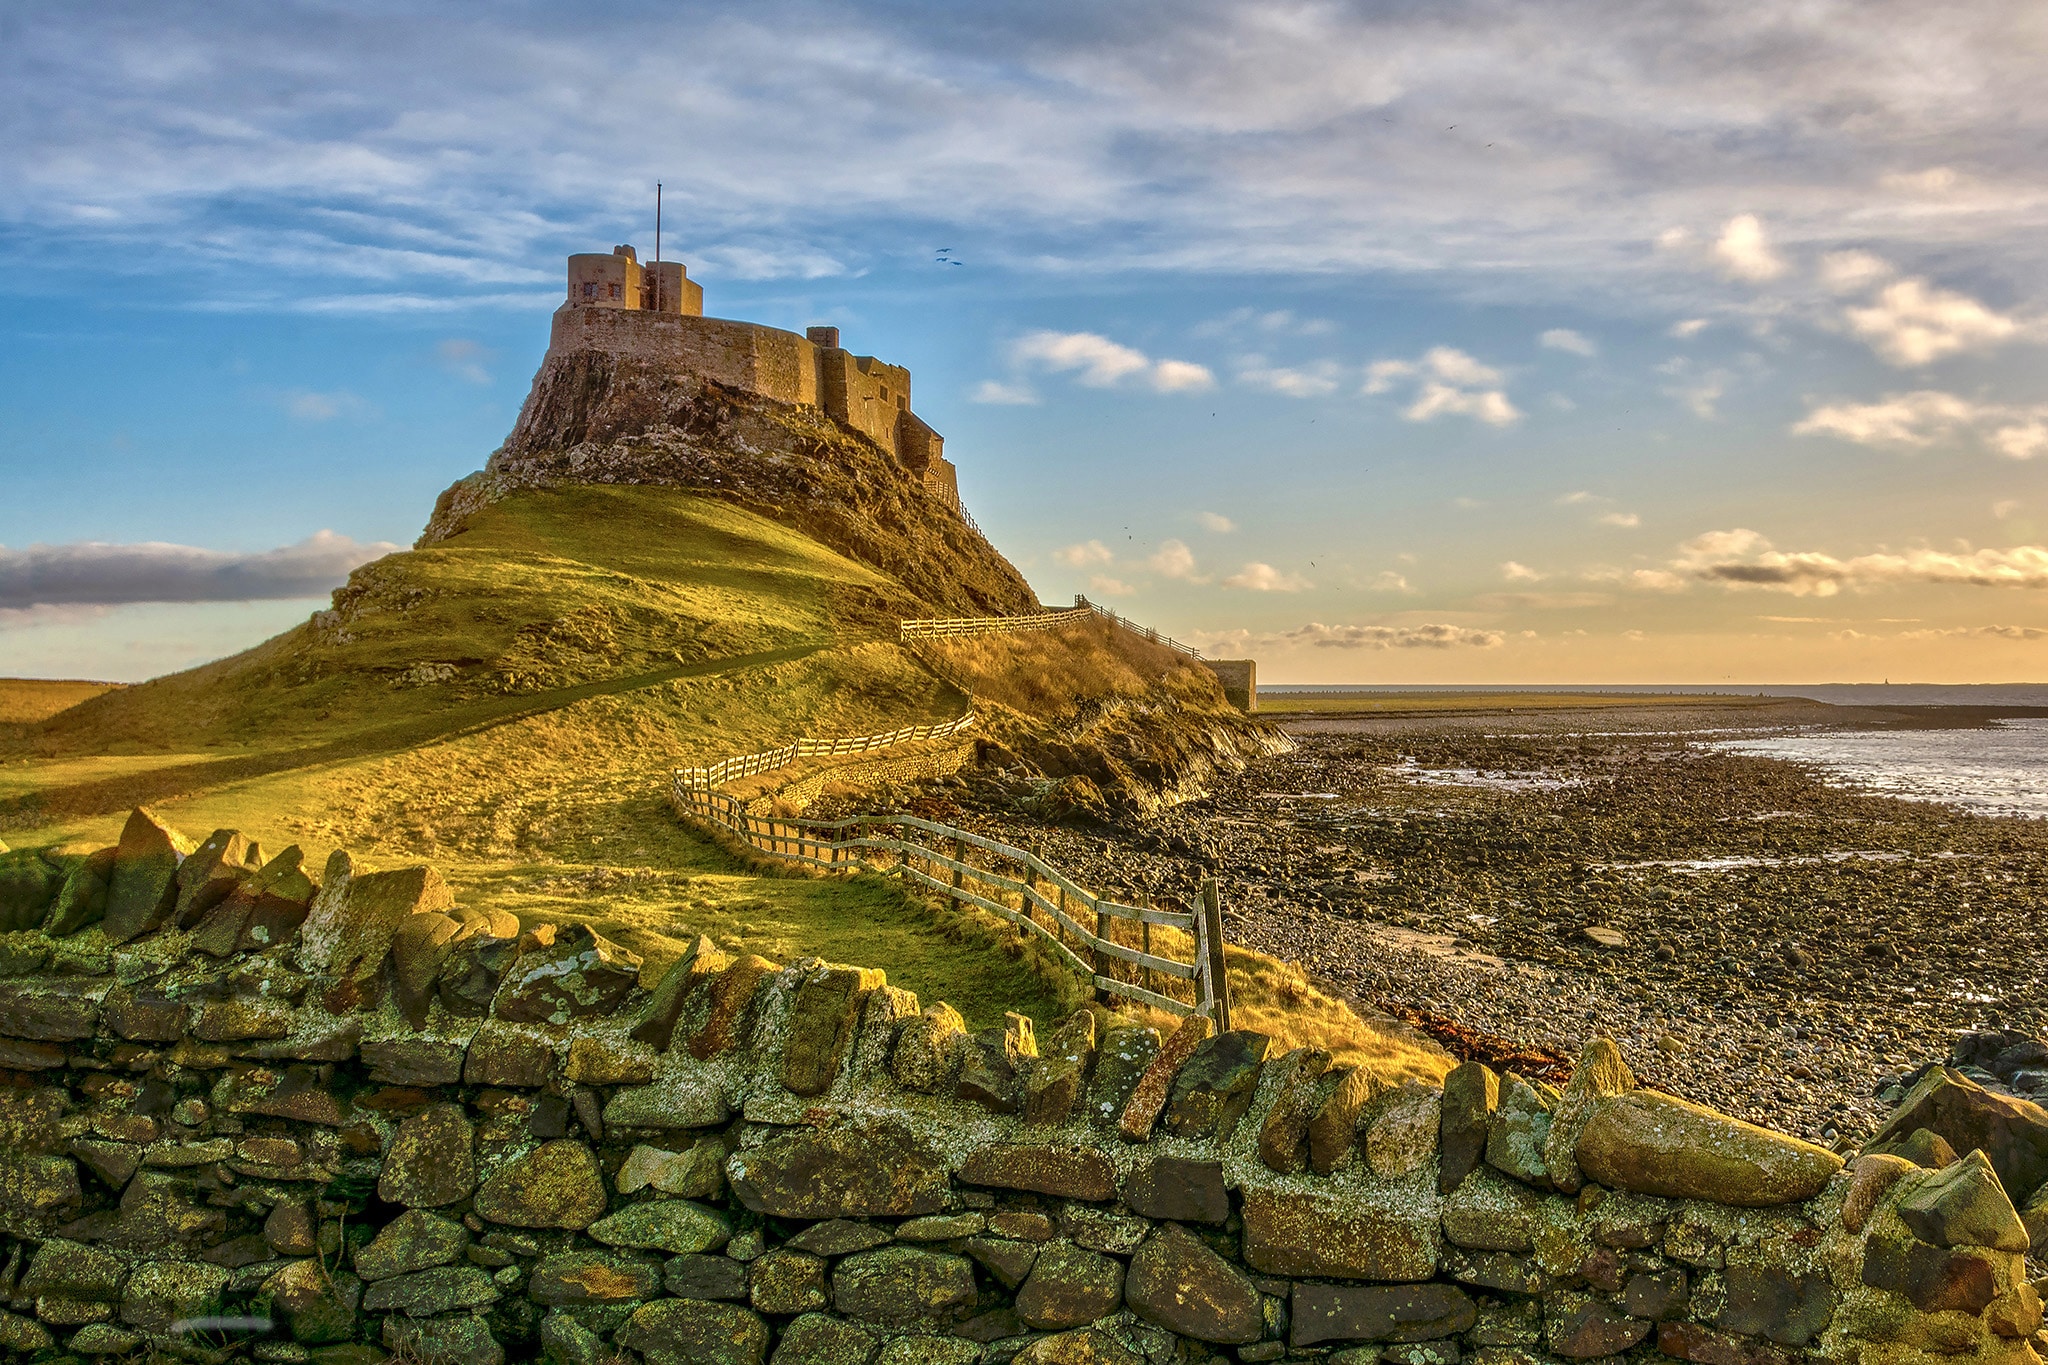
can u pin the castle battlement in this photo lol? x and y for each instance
(655, 313)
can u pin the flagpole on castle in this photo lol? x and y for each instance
(657, 246)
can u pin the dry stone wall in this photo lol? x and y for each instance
(248, 1115)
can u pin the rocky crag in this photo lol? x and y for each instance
(593, 418)
(242, 1110)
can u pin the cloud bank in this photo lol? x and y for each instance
(97, 574)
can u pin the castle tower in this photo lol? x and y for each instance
(620, 281)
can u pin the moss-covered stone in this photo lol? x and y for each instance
(1658, 1144)
(557, 1185)
(872, 1169)
(696, 1332)
(432, 1160)
(1178, 1282)
(676, 1226)
(902, 1286)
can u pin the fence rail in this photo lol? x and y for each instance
(1078, 924)
(1083, 604)
(1041, 620)
(747, 765)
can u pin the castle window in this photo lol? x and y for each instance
(589, 290)
(615, 291)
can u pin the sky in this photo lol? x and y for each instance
(1599, 341)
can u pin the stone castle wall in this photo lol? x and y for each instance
(376, 1119)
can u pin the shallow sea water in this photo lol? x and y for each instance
(2001, 769)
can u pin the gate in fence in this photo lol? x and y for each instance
(1119, 948)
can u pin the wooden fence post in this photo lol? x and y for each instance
(1212, 936)
(1103, 920)
(1147, 977)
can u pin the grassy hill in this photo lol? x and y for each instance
(649, 575)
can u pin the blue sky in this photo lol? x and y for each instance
(1623, 342)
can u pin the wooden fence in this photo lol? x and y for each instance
(988, 625)
(746, 765)
(1041, 620)
(1086, 930)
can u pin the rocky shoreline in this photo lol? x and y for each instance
(1761, 941)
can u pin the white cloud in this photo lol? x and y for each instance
(1852, 272)
(1105, 586)
(1450, 382)
(1703, 394)
(464, 359)
(1306, 381)
(1217, 522)
(1742, 558)
(1744, 252)
(1083, 554)
(1994, 632)
(1100, 363)
(999, 392)
(2005, 507)
(1173, 559)
(1565, 339)
(1578, 497)
(1686, 328)
(309, 406)
(1935, 180)
(1515, 572)
(1265, 578)
(1389, 581)
(95, 573)
(1626, 520)
(1541, 601)
(1915, 323)
(1431, 636)
(1923, 417)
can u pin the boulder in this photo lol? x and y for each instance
(865, 1169)
(430, 1293)
(419, 947)
(1069, 1286)
(63, 1010)
(2012, 1133)
(1770, 1301)
(508, 1055)
(607, 1060)
(839, 1237)
(1488, 1212)
(676, 1226)
(574, 1278)
(144, 884)
(1060, 1169)
(1517, 1132)
(1871, 1177)
(1088, 1346)
(1963, 1205)
(696, 1332)
(415, 1240)
(1402, 1137)
(697, 1173)
(706, 1277)
(1215, 1088)
(317, 1307)
(1178, 1283)
(1327, 1234)
(1658, 1144)
(65, 1269)
(992, 1063)
(432, 1161)
(28, 886)
(82, 900)
(1008, 1261)
(821, 1025)
(690, 1101)
(557, 1185)
(1182, 1189)
(656, 1022)
(210, 874)
(815, 1339)
(1601, 1073)
(1155, 1087)
(1937, 1279)
(718, 1011)
(581, 975)
(457, 1340)
(1333, 1128)
(1401, 1313)
(267, 908)
(927, 1049)
(902, 1286)
(1922, 1147)
(471, 973)
(347, 933)
(1283, 1135)
(1120, 1061)
(787, 1282)
(1053, 1083)
(1580, 1327)
(35, 1189)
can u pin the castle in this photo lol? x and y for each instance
(655, 312)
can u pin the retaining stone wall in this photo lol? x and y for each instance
(380, 1121)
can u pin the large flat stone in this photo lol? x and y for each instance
(1654, 1143)
(902, 1286)
(557, 1185)
(2012, 1133)
(1178, 1283)
(144, 884)
(1067, 1171)
(1336, 1235)
(696, 1332)
(873, 1169)
(1419, 1312)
